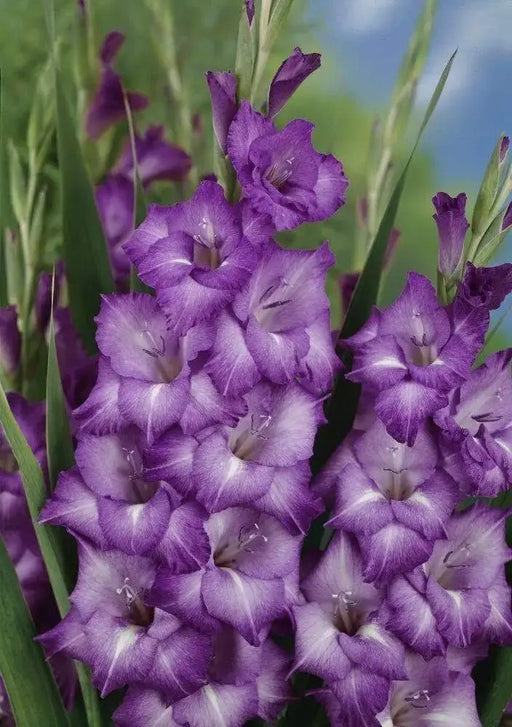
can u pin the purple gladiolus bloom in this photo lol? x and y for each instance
(290, 74)
(242, 584)
(477, 428)
(156, 389)
(225, 466)
(156, 158)
(455, 598)
(452, 225)
(10, 339)
(284, 332)
(107, 107)
(396, 501)
(194, 254)
(113, 630)
(431, 694)
(339, 638)
(107, 500)
(280, 172)
(411, 358)
(244, 682)
(222, 88)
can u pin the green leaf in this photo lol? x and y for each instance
(32, 691)
(493, 679)
(85, 252)
(488, 192)
(343, 403)
(36, 493)
(59, 446)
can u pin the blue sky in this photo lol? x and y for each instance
(369, 38)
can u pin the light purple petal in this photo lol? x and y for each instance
(247, 604)
(153, 407)
(100, 413)
(181, 596)
(218, 704)
(223, 479)
(404, 407)
(317, 649)
(231, 366)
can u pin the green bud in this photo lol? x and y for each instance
(18, 188)
(491, 239)
(245, 55)
(490, 188)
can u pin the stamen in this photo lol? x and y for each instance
(256, 430)
(155, 350)
(128, 591)
(249, 534)
(419, 700)
(345, 614)
(140, 614)
(462, 552)
(486, 418)
(278, 176)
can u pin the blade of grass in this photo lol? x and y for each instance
(32, 690)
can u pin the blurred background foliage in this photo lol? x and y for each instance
(205, 36)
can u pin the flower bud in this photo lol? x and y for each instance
(223, 96)
(452, 225)
(290, 74)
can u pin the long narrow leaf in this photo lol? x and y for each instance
(32, 691)
(36, 493)
(343, 404)
(59, 446)
(85, 252)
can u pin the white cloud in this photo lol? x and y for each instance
(365, 17)
(480, 31)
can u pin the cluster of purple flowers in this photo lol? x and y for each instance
(190, 496)
(411, 590)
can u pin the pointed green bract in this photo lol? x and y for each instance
(245, 52)
(32, 690)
